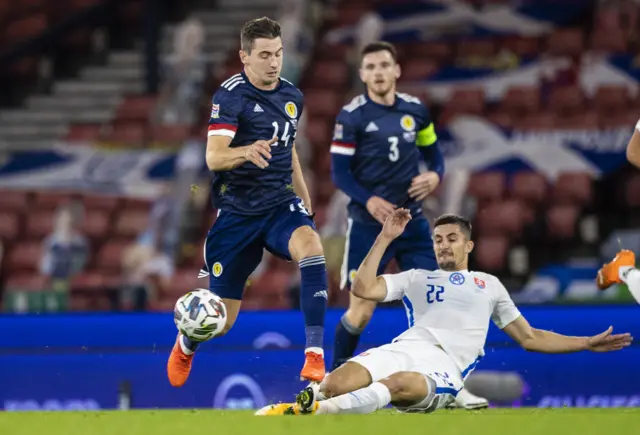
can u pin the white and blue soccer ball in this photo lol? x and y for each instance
(200, 315)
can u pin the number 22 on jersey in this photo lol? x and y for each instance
(434, 293)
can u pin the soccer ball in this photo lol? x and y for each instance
(200, 315)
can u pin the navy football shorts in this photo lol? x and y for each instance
(233, 248)
(413, 249)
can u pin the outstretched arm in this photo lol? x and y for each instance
(299, 185)
(539, 340)
(633, 149)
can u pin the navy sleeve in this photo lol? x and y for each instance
(343, 148)
(225, 113)
(427, 143)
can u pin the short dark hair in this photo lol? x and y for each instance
(454, 219)
(258, 28)
(374, 47)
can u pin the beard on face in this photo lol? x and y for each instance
(447, 265)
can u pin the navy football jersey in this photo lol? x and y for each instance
(383, 141)
(247, 114)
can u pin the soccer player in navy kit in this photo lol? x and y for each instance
(379, 139)
(260, 193)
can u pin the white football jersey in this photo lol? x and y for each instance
(452, 309)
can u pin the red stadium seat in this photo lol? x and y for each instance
(88, 282)
(626, 119)
(105, 204)
(535, 122)
(418, 69)
(561, 222)
(83, 132)
(436, 51)
(566, 42)
(573, 188)
(24, 256)
(491, 253)
(130, 223)
(487, 186)
(109, 257)
(469, 101)
(130, 134)
(141, 205)
(40, 224)
(611, 98)
(9, 226)
(609, 41)
(170, 134)
(25, 28)
(588, 120)
(502, 218)
(332, 52)
(50, 201)
(521, 99)
(333, 74)
(566, 100)
(26, 282)
(530, 187)
(185, 280)
(319, 131)
(522, 46)
(321, 102)
(96, 224)
(271, 283)
(13, 200)
(136, 109)
(483, 48)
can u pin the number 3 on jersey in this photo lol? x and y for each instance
(394, 152)
(434, 293)
(285, 136)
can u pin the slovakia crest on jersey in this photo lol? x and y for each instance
(480, 283)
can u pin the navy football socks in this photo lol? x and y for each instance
(346, 342)
(313, 299)
(190, 345)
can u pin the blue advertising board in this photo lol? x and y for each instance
(79, 361)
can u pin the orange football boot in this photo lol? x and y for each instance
(609, 274)
(179, 365)
(313, 370)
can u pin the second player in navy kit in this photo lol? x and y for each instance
(379, 140)
(260, 193)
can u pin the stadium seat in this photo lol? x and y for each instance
(130, 223)
(530, 187)
(333, 52)
(521, 100)
(502, 218)
(95, 224)
(481, 48)
(522, 46)
(83, 132)
(587, 120)
(415, 70)
(611, 98)
(24, 28)
(109, 258)
(623, 119)
(24, 256)
(50, 200)
(13, 200)
(130, 134)
(40, 224)
(535, 122)
(468, 101)
(135, 109)
(561, 222)
(90, 282)
(183, 281)
(440, 52)
(104, 204)
(169, 134)
(89, 302)
(566, 42)
(319, 132)
(9, 226)
(490, 253)
(487, 186)
(612, 41)
(271, 283)
(632, 191)
(25, 282)
(501, 119)
(332, 74)
(566, 100)
(573, 188)
(141, 205)
(322, 102)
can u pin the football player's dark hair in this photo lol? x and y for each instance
(454, 219)
(258, 28)
(374, 47)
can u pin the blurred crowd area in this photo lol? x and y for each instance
(104, 201)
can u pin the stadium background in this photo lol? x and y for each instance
(102, 135)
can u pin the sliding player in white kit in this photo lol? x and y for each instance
(449, 311)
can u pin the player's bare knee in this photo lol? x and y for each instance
(360, 312)
(330, 386)
(305, 243)
(403, 386)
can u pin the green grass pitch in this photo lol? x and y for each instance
(214, 422)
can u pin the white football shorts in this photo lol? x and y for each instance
(415, 356)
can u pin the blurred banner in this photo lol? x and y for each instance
(85, 361)
(476, 144)
(82, 167)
